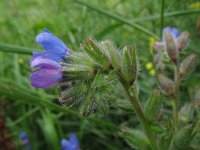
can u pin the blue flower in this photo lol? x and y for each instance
(54, 47)
(25, 141)
(48, 74)
(71, 144)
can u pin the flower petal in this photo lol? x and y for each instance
(51, 43)
(45, 78)
(66, 145)
(56, 58)
(41, 61)
(175, 32)
(73, 140)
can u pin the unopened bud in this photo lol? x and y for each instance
(182, 41)
(167, 84)
(171, 47)
(188, 64)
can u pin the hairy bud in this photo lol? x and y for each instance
(188, 64)
(167, 84)
(182, 41)
(130, 64)
(171, 47)
(153, 106)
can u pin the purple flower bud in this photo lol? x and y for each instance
(51, 43)
(174, 31)
(71, 144)
(54, 47)
(48, 74)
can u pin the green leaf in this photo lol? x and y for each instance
(136, 139)
(183, 138)
(49, 131)
(157, 128)
(153, 106)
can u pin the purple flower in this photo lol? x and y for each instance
(54, 47)
(71, 144)
(25, 141)
(48, 74)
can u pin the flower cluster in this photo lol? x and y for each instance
(71, 144)
(161, 45)
(49, 71)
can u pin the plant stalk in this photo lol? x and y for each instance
(139, 113)
(177, 95)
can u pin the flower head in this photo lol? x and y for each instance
(49, 71)
(48, 74)
(71, 144)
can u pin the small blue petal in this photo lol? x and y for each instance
(73, 139)
(175, 32)
(66, 145)
(51, 43)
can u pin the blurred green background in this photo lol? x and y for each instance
(37, 112)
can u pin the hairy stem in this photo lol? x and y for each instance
(132, 95)
(177, 97)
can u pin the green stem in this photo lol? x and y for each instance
(177, 97)
(138, 110)
(162, 17)
(15, 49)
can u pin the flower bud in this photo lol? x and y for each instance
(188, 64)
(130, 64)
(182, 41)
(167, 84)
(171, 47)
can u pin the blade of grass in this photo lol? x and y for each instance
(16, 49)
(117, 17)
(170, 14)
(162, 17)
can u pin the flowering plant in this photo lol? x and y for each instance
(89, 78)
